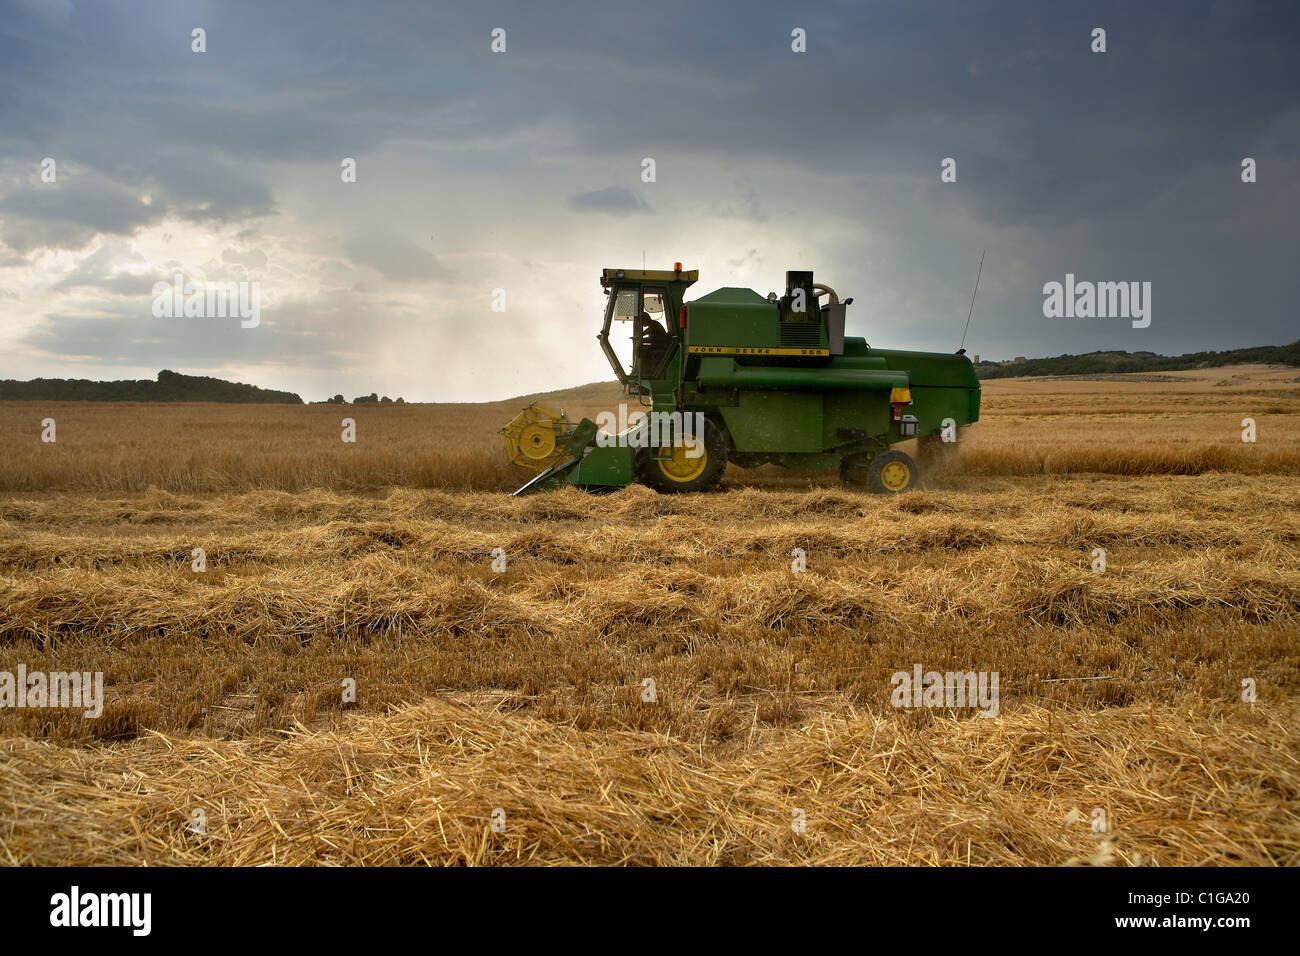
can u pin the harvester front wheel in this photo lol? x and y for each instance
(889, 473)
(670, 470)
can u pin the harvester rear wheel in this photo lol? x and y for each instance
(889, 473)
(681, 472)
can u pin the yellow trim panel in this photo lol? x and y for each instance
(728, 350)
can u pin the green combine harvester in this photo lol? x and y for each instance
(737, 377)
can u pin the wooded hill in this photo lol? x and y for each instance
(1105, 362)
(170, 387)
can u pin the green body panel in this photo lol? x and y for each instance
(604, 466)
(735, 315)
(774, 421)
(849, 410)
(939, 369)
(730, 318)
(808, 412)
(766, 374)
(725, 372)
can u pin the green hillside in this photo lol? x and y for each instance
(170, 387)
(1104, 362)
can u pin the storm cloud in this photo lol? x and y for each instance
(521, 171)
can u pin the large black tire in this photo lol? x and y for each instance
(889, 473)
(683, 473)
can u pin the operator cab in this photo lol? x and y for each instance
(650, 302)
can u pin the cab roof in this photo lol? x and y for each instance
(609, 276)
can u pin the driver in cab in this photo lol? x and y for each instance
(655, 342)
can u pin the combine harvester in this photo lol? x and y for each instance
(768, 380)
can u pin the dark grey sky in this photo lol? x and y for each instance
(521, 171)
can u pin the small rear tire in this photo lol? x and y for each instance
(889, 473)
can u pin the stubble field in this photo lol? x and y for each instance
(505, 718)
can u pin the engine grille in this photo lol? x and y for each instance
(801, 333)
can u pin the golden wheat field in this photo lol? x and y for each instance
(503, 717)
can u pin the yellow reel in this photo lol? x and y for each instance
(532, 437)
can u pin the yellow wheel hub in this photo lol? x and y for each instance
(533, 436)
(537, 441)
(895, 476)
(681, 468)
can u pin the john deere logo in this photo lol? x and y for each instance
(740, 350)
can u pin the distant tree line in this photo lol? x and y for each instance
(363, 399)
(170, 387)
(1110, 362)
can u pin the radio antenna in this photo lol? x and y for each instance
(962, 347)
